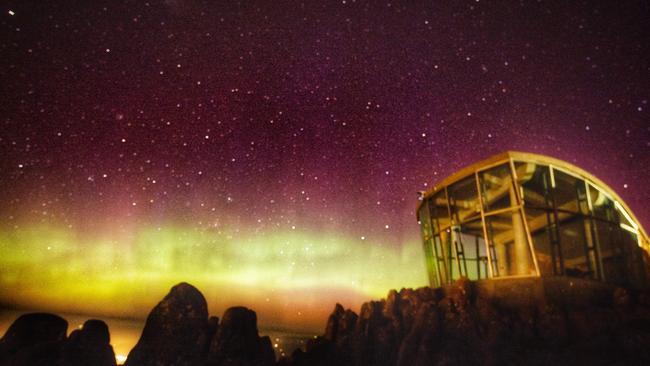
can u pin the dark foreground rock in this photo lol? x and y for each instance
(237, 341)
(89, 345)
(557, 321)
(33, 339)
(535, 321)
(40, 339)
(178, 332)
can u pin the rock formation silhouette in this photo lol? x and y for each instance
(237, 342)
(40, 339)
(178, 332)
(90, 345)
(554, 321)
(536, 321)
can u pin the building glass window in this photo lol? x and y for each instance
(441, 255)
(509, 246)
(611, 251)
(465, 241)
(545, 241)
(633, 258)
(497, 191)
(569, 193)
(574, 247)
(439, 211)
(427, 237)
(440, 258)
(602, 206)
(535, 183)
(463, 200)
(449, 256)
(566, 225)
(430, 261)
(625, 219)
(471, 249)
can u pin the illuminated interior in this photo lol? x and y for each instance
(520, 214)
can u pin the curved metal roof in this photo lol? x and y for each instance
(542, 160)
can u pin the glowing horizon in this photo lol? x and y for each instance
(291, 279)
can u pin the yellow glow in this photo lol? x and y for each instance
(290, 278)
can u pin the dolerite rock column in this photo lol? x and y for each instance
(555, 321)
(237, 342)
(89, 345)
(176, 331)
(340, 325)
(33, 339)
(35, 336)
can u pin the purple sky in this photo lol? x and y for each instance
(324, 115)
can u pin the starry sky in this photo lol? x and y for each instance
(270, 152)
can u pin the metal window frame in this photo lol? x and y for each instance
(514, 206)
(485, 236)
(520, 204)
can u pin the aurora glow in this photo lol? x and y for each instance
(270, 152)
(290, 278)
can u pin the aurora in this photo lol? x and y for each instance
(288, 276)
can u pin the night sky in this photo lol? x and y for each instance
(270, 152)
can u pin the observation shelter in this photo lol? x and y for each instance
(518, 215)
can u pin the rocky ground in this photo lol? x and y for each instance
(41, 339)
(532, 322)
(467, 325)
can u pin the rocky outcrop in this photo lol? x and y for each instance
(176, 331)
(90, 345)
(237, 341)
(555, 321)
(33, 329)
(537, 321)
(33, 339)
(40, 339)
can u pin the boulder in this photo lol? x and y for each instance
(545, 321)
(33, 339)
(89, 345)
(32, 329)
(237, 342)
(176, 331)
(340, 324)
